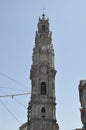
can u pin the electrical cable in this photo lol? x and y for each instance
(2, 92)
(10, 112)
(13, 95)
(13, 80)
(18, 102)
(13, 89)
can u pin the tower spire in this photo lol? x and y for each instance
(43, 15)
(41, 109)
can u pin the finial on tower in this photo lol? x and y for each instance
(43, 15)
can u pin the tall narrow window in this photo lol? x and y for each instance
(43, 28)
(43, 88)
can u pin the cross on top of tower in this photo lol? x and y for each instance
(43, 10)
(43, 15)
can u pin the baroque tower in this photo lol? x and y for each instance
(42, 107)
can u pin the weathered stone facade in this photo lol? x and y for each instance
(42, 107)
(82, 95)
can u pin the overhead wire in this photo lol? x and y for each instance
(10, 111)
(13, 95)
(13, 80)
(18, 102)
(13, 89)
(2, 92)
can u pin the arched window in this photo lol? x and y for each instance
(43, 88)
(43, 110)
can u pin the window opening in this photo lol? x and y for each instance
(43, 28)
(43, 116)
(43, 110)
(43, 88)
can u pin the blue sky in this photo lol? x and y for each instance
(18, 23)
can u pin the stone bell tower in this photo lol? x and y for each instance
(42, 107)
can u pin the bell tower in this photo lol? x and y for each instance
(42, 107)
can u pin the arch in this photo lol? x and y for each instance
(43, 110)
